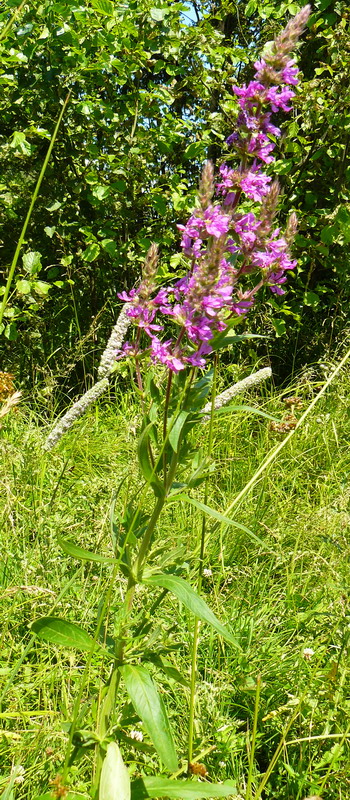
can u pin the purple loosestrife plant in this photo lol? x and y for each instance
(232, 253)
(233, 248)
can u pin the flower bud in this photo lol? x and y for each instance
(206, 186)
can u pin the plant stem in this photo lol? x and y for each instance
(78, 700)
(200, 577)
(252, 748)
(30, 209)
(11, 21)
(165, 418)
(108, 704)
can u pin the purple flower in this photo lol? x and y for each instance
(250, 96)
(197, 359)
(216, 223)
(161, 353)
(290, 73)
(242, 307)
(275, 279)
(280, 98)
(260, 147)
(211, 222)
(255, 184)
(267, 127)
(246, 227)
(128, 297)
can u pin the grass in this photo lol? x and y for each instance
(282, 595)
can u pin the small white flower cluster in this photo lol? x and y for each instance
(207, 573)
(308, 652)
(137, 735)
(242, 386)
(77, 410)
(18, 774)
(114, 343)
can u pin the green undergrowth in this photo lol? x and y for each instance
(284, 594)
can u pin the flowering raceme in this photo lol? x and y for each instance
(225, 246)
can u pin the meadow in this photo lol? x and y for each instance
(272, 716)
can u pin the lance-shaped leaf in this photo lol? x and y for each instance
(146, 466)
(150, 707)
(176, 430)
(216, 515)
(73, 550)
(115, 780)
(65, 634)
(159, 787)
(193, 601)
(226, 338)
(250, 409)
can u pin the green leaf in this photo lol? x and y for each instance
(146, 466)
(110, 246)
(193, 601)
(73, 550)
(159, 204)
(11, 332)
(213, 513)
(250, 8)
(23, 287)
(32, 262)
(158, 14)
(19, 143)
(103, 7)
(150, 707)
(46, 796)
(329, 234)
(193, 150)
(115, 780)
(54, 206)
(69, 796)
(226, 338)
(250, 409)
(176, 430)
(50, 230)
(279, 326)
(42, 288)
(100, 192)
(311, 299)
(158, 787)
(65, 634)
(169, 670)
(91, 253)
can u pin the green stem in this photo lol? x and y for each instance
(192, 691)
(11, 21)
(105, 715)
(165, 418)
(200, 577)
(147, 537)
(30, 209)
(78, 700)
(252, 748)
